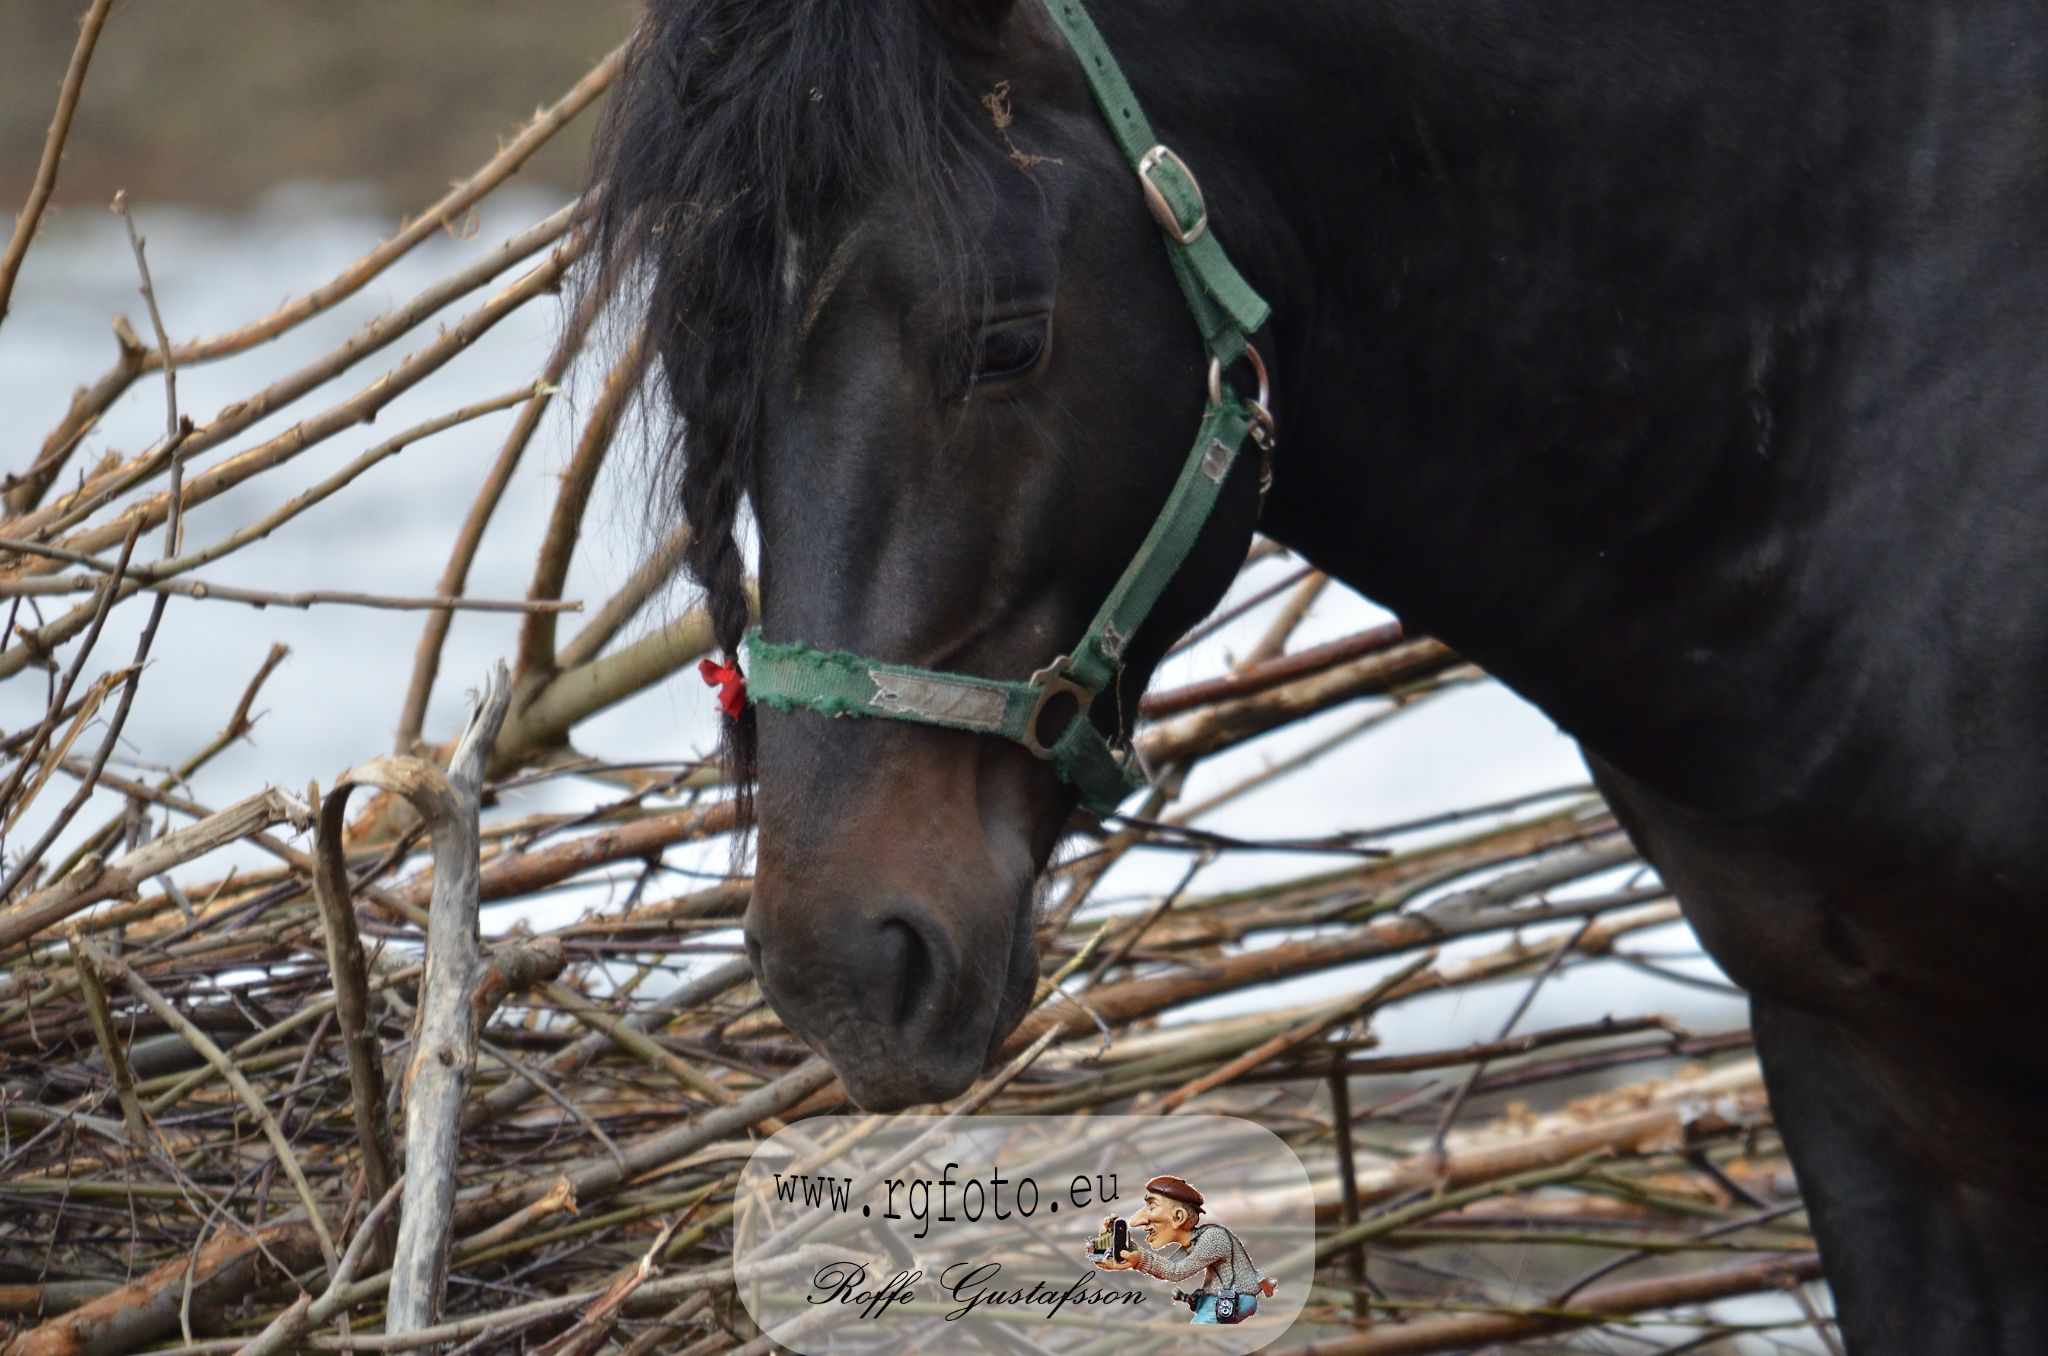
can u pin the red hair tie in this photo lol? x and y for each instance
(730, 682)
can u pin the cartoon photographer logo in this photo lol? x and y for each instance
(987, 1226)
(1169, 1241)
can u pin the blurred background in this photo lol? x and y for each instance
(217, 103)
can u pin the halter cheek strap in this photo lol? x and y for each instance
(1048, 713)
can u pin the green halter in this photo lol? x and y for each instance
(1048, 712)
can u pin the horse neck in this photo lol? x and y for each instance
(1558, 290)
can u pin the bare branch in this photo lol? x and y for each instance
(426, 664)
(53, 150)
(133, 359)
(655, 573)
(198, 1040)
(62, 585)
(351, 971)
(111, 1051)
(445, 1029)
(174, 428)
(565, 524)
(92, 882)
(131, 679)
(101, 490)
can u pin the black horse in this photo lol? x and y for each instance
(1686, 365)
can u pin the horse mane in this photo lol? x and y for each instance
(740, 139)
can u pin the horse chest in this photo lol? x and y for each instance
(1830, 930)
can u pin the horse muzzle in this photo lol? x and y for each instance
(907, 1001)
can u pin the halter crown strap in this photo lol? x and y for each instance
(1225, 306)
(1049, 712)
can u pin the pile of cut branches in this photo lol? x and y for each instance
(272, 1079)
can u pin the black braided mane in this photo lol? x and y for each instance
(741, 136)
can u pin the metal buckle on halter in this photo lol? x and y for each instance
(1051, 681)
(1155, 197)
(1265, 429)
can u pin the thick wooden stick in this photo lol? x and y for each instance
(1203, 732)
(445, 1027)
(351, 973)
(1273, 644)
(92, 882)
(547, 714)
(220, 1271)
(656, 572)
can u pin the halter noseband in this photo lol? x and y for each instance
(1048, 712)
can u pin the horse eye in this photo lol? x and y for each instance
(1012, 348)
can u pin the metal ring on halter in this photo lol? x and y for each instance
(1258, 370)
(1264, 427)
(1265, 430)
(1052, 681)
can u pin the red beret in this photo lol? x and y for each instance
(1174, 1189)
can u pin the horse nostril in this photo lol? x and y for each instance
(890, 976)
(905, 967)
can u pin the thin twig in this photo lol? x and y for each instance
(426, 664)
(199, 1041)
(53, 150)
(133, 359)
(104, 603)
(1507, 1028)
(174, 428)
(565, 524)
(90, 781)
(387, 329)
(111, 1051)
(238, 727)
(57, 585)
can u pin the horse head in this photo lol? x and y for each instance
(911, 308)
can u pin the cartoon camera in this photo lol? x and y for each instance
(1112, 1242)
